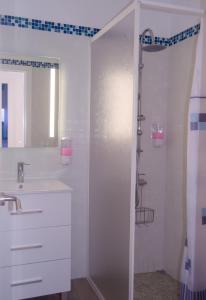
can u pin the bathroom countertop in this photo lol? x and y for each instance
(33, 186)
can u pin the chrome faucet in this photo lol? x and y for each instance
(20, 171)
(10, 199)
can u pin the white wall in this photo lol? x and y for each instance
(149, 240)
(154, 245)
(93, 13)
(74, 57)
(168, 24)
(166, 90)
(182, 58)
(96, 13)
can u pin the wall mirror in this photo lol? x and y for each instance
(29, 90)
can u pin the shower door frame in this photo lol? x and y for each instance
(133, 7)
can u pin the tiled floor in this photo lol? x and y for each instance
(148, 286)
(156, 286)
(80, 291)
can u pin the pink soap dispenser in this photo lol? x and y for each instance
(157, 135)
(66, 150)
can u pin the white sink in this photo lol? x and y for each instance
(33, 186)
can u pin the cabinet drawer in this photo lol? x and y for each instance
(35, 245)
(38, 210)
(34, 280)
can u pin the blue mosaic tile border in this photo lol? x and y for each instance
(188, 33)
(27, 23)
(158, 40)
(29, 63)
(168, 42)
(21, 22)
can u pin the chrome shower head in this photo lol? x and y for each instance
(151, 47)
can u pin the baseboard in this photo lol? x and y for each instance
(95, 289)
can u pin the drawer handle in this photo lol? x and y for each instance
(27, 281)
(26, 247)
(27, 212)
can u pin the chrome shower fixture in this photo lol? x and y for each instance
(148, 48)
(151, 34)
(152, 47)
(144, 215)
(141, 118)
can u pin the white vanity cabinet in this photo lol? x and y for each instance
(35, 245)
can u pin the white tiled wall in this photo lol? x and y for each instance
(182, 58)
(96, 13)
(149, 240)
(74, 118)
(166, 90)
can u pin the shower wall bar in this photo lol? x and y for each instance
(49, 26)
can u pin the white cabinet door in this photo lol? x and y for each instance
(35, 245)
(35, 252)
(34, 280)
(39, 210)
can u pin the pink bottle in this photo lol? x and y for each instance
(66, 150)
(157, 135)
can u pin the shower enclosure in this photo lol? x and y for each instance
(138, 152)
(164, 90)
(114, 60)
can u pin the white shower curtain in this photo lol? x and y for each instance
(193, 277)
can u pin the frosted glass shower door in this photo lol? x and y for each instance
(114, 53)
